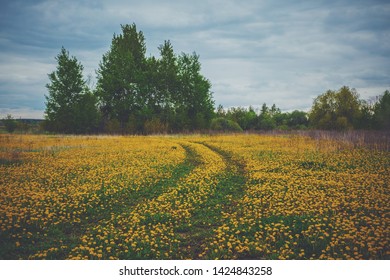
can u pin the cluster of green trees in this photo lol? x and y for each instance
(264, 119)
(71, 107)
(343, 109)
(134, 93)
(332, 110)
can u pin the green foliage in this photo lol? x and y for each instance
(338, 110)
(70, 107)
(297, 120)
(245, 118)
(195, 102)
(333, 110)
(382, 111)
(366, 120)
(140, 95)
(322, 114)
(266, 122)
(225, 125)
(120, 76)
(10, 124)
(267, 119)
(343, 110)
(86, 113)
(150, 95)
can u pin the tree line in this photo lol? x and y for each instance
(136, 94)
(266, 118)
(333, 110)
(343, 109)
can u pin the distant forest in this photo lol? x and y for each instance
(135, 94)
(332, 110)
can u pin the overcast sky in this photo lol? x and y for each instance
(283, 52)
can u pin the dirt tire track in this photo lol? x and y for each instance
(224, 200)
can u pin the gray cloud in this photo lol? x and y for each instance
(282, 52)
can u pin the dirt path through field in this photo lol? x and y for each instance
(156, 226)
(209, 216)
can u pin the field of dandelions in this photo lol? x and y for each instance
(192, 197)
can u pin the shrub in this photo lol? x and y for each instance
(10, 124)
(225, 125)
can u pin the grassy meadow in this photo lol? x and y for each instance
(192, 197)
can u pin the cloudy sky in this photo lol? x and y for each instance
(283, 52)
